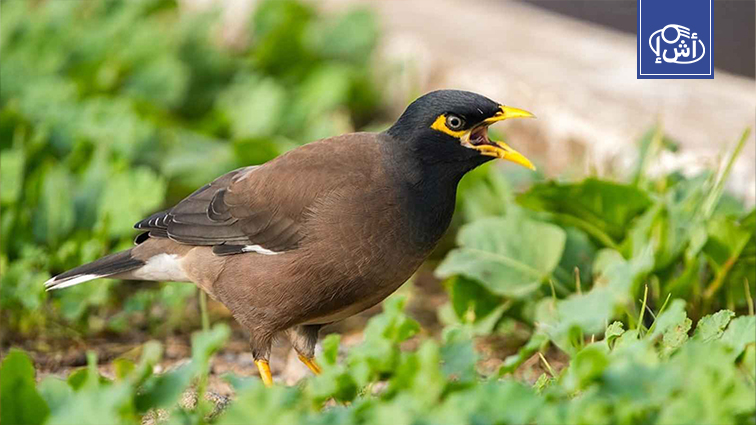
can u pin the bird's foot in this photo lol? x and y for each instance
(264, 368)
(310, 363)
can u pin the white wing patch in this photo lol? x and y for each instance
(258, 249)
(162, 267)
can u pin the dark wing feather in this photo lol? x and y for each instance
(264, 205)
(201, 218)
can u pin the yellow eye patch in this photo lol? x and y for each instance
(440, 125)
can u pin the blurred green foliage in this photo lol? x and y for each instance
(655, 375)
(110, 110)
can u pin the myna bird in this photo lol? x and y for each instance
(322, 232)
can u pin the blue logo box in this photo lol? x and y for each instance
(675, 39)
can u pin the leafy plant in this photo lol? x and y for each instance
(656, 375)
(111, 110)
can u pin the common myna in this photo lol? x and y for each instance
(322, 232)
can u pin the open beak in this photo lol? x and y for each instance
(477, 138)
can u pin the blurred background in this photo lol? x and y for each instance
(111, 110)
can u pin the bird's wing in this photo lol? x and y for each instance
(259, 208)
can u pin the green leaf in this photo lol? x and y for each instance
(254, 106)
(536, 343)
(164, 80)
(712, 326)
(205, 344)
(484, 192)
(509, 257)
(164, 390)
(672, 316)
(566, 320)
(740, 333)
(675, 336)
(729, 249)
(458, 356)
(190, 149)
(129, 197)
(471, 301)
(587, 365)
(20, 403)
(351, 37)
(54, 217)
(96, 402)
(12, 175)
(56, 392)
(602, 209)
(613, 331)
(579, 252)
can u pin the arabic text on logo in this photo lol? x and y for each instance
(691, 53)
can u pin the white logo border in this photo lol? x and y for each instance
(640, 50)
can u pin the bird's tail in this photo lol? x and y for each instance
(113, 264)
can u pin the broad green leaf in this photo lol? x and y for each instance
(675, 336)
(20, 403)
(584, 314)
(418, 375)
(749, 361)
(505, 401)
(129, 196)
(612, 332)
(579, 252)
(587, 365)
(712, 326)
(56, 393)
(673, 315)
(379, 353)
(704, 387)
(458, 356)
(205, 344)
(731, 252)
(509, 257)
(740, 333)
(164, 390)
(600, 208)
(484, 192)
(254, 106)
(727, 239)
(471, 301)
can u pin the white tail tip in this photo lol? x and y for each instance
(55, 283)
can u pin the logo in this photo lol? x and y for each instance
(674, 39)
(680, 32)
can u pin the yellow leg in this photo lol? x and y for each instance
(310, 363)
(264, 369)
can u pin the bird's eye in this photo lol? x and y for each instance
(454, 122)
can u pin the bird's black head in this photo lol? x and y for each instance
(451, 126)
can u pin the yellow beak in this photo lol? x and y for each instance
(506, 112)
(500, 149)
(503, 151)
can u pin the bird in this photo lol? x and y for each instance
(321, 232)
